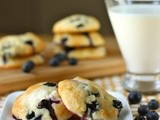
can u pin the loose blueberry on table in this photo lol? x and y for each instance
(139, 118)
(134, 97)
(72, 61)
(54, 61)
(152, 115)
(143, 110)
(153, 104)
(60, 56)
(28, 66)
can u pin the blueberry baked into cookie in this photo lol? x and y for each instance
(40, 102)
(16, 49)
(88, 100)
(72, 99)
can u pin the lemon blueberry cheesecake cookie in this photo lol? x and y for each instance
(89, 101)
(70, 99)
(40, 102)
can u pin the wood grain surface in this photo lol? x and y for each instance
(15, 79)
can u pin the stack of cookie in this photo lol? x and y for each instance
(17, 49)
(72, 99)
(77, 36)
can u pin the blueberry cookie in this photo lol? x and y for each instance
(17, 62)
(79, 40)
(88, 100)
(87, 53)
(81, 53)
(76, 23)
(20, 45)
(33, 41)
(40, 102)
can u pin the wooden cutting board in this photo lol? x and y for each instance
(15, 79)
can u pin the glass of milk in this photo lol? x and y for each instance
(136, 24)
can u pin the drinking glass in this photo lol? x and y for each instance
(136, 24)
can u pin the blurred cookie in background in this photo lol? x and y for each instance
(40, 102)
(17, 62)
(81, 53)
(83, 42)
(91, 39)
(16, 49)
(20, 45)
(76, 23)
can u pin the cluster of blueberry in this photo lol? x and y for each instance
(54, 61)
(146, 112)
(58, 58)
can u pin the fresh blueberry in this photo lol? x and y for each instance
(28, 66)
(134, 97)
(143, 110)
(139, 118)
(30, 115)
(153, 104)
(72, 61)
(60, 56)
(152, 115)
(54, 61)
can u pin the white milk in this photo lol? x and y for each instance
(137, 29)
